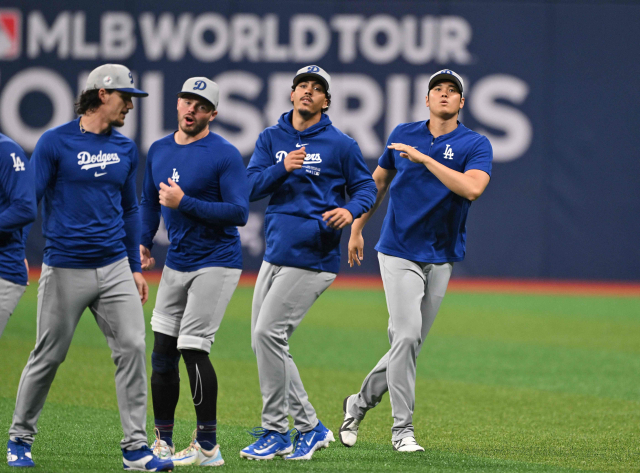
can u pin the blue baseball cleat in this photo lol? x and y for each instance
(19, 454)
(269, 444)
(143, 459)
(306, 443)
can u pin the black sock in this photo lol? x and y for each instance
(204, 391)
(165, 383)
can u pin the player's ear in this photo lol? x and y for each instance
(461, 103)
(213, 115)
(102, 94)
(426, 100)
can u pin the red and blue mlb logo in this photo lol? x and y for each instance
(10, 33)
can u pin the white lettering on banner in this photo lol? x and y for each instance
(515, 125)
(117, 35)
(239, 114)
(35, 79)
(82, 50)
(371, 49)
(314, 26)
(40, 36)
(165, 35)
(416, 39)
(245, 29)
(358, 122)
(199, 47)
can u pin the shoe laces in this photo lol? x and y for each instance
(297, 437)
(258, 432)
(194, 446)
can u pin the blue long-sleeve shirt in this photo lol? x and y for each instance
(295, 232)
(90, 209)
(17, 209)
(202, 230)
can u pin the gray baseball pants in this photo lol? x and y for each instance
(281, 299)
(10, 294)
(414, 292)
(63, 295)
(190, 305)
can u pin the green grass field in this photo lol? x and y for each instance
(505, 383)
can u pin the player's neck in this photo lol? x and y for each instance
(441, 126)
(301, 123)
(95, 122)
(182, 138)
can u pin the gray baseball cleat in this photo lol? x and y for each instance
(349, 428)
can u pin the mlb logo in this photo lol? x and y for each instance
(10, 34)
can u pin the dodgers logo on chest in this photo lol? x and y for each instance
(448, 153)
(310, 163)
(87, 161)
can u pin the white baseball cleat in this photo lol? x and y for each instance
(349, 428)
(160, 448)
(407, 444)
(194, 454)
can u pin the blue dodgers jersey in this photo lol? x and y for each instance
(425, 221)
(202, 230)
(295, 233)
(90, 209)
(17, 209)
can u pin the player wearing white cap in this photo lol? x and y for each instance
(197, 180)
(86, 172)
(433, 170)
(306, 166)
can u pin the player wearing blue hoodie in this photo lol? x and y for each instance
(306, 165)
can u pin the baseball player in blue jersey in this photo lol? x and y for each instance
(433, 170)
(17, 210)
(306, 166)
(196, 179)
(86, 172)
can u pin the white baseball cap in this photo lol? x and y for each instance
(446, 74)
(203, 87)
(316, 72)
(113, 77)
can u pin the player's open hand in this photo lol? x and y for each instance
(170, 195)
(409, 152)
(142, 286)
(356, 247)
(148, 262)
(337, 218)
(294, 160)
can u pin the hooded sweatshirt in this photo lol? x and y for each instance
(295, 233)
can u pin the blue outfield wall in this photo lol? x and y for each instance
(554, 85)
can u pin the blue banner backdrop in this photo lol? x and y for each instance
(554, 85)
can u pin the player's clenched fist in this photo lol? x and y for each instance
(337, 218)
(170, 195)
(295, 159)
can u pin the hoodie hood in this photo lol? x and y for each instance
(284, 122)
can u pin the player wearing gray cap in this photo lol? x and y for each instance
(196, 180)
(86, 172)
(306, 166)
(435, 178)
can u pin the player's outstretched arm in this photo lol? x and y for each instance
(382, 177)
(470, 184)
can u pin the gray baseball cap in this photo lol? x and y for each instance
(203, 87)
(446, 74)
(315, 72)
(113, 77)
